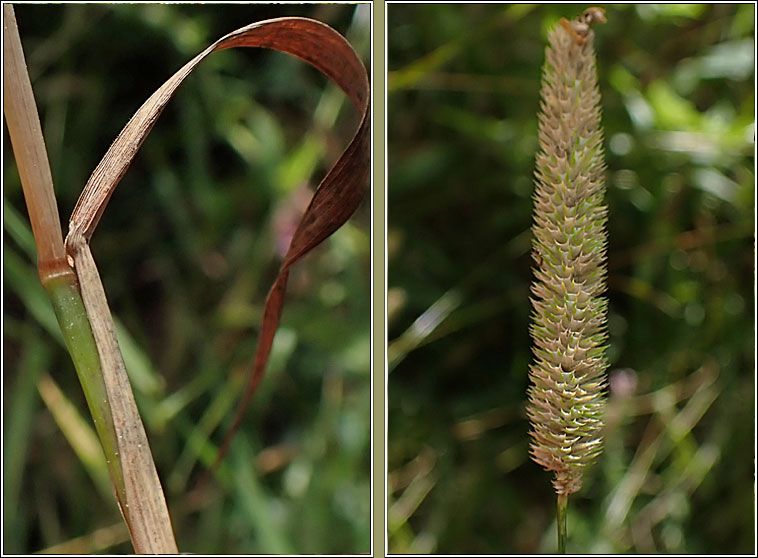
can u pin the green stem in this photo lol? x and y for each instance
(63, 290)
(561, 519)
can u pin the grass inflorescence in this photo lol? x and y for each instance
(569, 247)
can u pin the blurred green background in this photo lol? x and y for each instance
(188, 248)
(677, 84)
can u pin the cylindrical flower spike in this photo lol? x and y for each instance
(569, 248)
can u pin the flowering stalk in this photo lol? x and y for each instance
(569, 248)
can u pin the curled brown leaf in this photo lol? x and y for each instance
(337, 197)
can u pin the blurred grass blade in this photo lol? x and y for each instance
(18, 416)
(78, 432)
(18, 229)
(335, 200)
(19, 277)
(422, 327)
(251, 500)
(98, 541)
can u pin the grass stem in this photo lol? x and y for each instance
(561, 520)
(28, 143)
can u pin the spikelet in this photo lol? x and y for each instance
(569, 247)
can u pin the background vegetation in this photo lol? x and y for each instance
(678, 112)
(187, 250)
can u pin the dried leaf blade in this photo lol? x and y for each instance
(335, 200)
